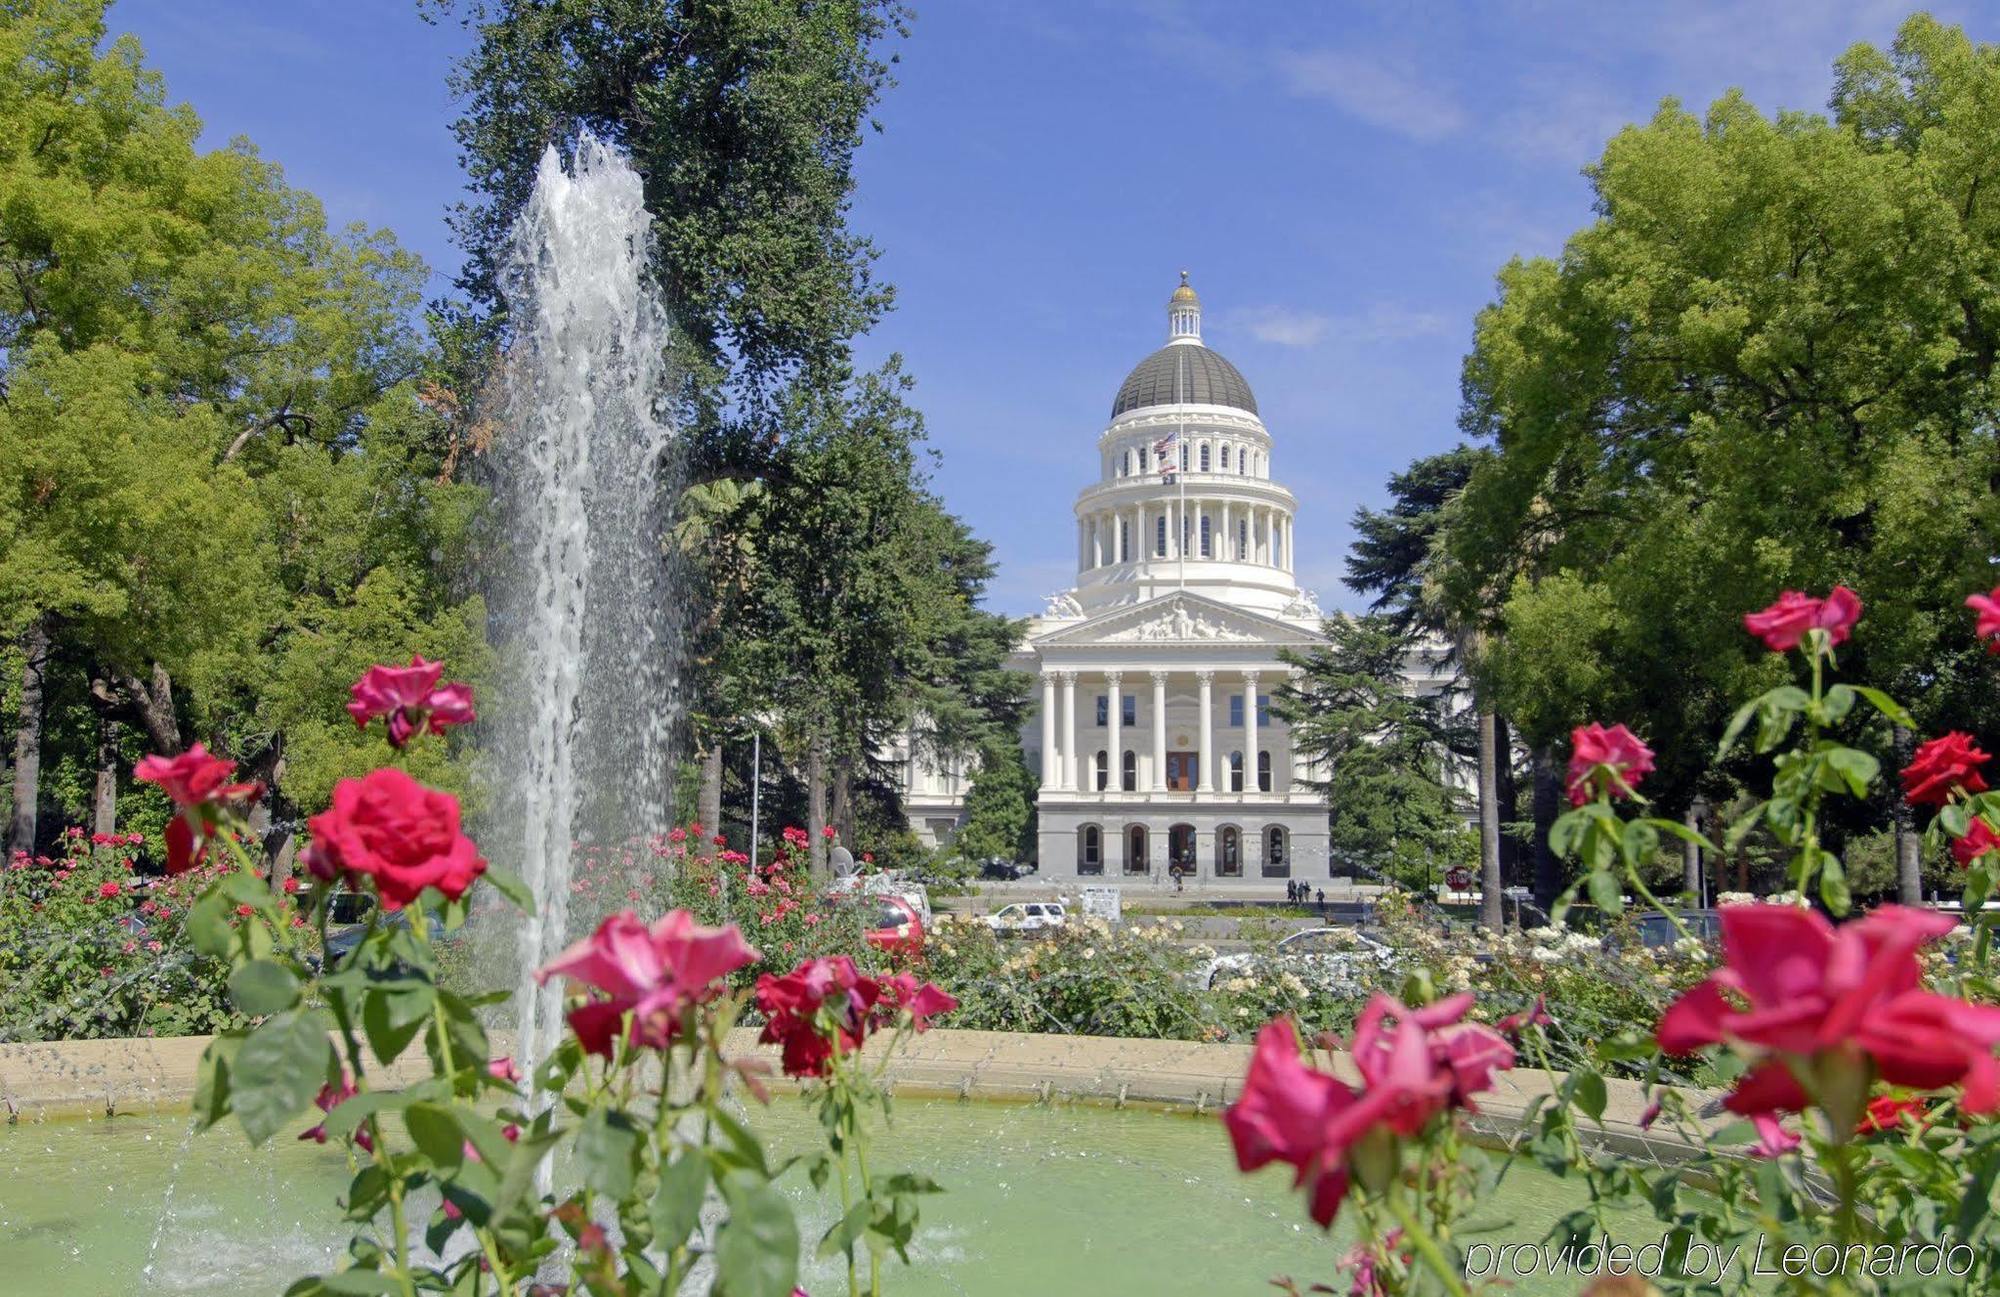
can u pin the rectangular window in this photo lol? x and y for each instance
(1236, 710)
(1128, 711)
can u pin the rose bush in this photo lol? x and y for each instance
(1860, 1053)
(663, 1178)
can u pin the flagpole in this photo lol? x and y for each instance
(1180, 452)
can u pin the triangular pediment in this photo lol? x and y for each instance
(1178, 618)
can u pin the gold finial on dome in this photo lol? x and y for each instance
(1184, 314)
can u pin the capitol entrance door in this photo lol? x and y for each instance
(1180, 848)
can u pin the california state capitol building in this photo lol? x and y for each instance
(1151, 727)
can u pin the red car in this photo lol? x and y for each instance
(894, 926)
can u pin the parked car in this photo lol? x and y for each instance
(1001, 869)
(1024, 918)
(1336, 955)
(1657, 931)
(893, 926)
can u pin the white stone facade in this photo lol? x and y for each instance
(1152, 730)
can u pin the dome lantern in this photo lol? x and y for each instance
(1184, 314)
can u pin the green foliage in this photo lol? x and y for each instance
(1350, 709)
(1725, 388)
(999, 808)
(77, 964)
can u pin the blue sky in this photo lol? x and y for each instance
(1342, 180)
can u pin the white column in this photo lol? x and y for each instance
(1086, 760)
(1159, 731)
(1049, 766)
(1114, 749)
(1249, 731)
(1066, 772)
(1204, 770)
(1228, 548)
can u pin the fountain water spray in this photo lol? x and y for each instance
(581, 606)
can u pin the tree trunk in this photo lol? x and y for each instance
(1491, 915)
(1510, 804)
(708, 803)
(816, 808)
(1909, 865)
(842, 815)
(1691, 860)
(104, 797)
(28, 736)
(1548, 789)
(152, 705)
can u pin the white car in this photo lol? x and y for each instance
(1329, 956)
(1024, 917)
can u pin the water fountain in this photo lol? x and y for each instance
(582, 457)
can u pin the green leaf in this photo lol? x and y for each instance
(1591, 1095)
(607, 1152)
(1566, 832)
(1896, 713)
(843, 1234)
(360, 1283)
(512, 888)
(757, 1249)
(207, 925)
(211, 1086)
(1638, 842)
(676, 1206)
(1737, 724)
(1836, 703)
(435, 1131)
(1857, 768)
(279, 1069)
(392, 1015)
(1952, 818)
(1605, 892)
(905, 1182)
(1833, 886)
(529, 1152)
(349, 1113)
(263, 987)
(1674, 828)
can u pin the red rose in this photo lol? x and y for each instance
(822, 1006)
(391, 828)
(1612, 761)
(1946, 763)
(198, 784)
(1978, 840)
(1886, 1112)
(1845, 1006)
(1786, 622)
(1988, 608)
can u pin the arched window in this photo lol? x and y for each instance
(1206, 552)
(1187, 534)
(1128, 774)
(1229, 852)
(1236, 772)
(1089, 850)
(1124, 540)
(1103, 770)
(1264, 772)
(1204, 457)
(1225, 457)
(1242, 539)
(1135, 849)
(1243, 461)
(1184, 457)
(1091, 546)
(1278, 545)
(1160, 536)
(1274, 850)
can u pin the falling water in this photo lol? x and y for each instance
(581, 606)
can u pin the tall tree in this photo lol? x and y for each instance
(211, 438)
(1767, 364)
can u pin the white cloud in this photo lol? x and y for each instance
(1379, 91)
(1286, 326)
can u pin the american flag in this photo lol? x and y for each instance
(1161, 455)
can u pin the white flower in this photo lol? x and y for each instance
(1090, 952)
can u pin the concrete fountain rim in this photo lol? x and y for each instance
(96, 1078)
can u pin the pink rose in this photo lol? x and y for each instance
(411, 698)
(199, 785)
(1609, 761)
(1842, 1006)
(1782, 625)
(394, 830)
(650, 973)
(1988, 608)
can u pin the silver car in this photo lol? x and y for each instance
(1335, 956)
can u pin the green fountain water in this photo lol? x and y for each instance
(1059, 1202)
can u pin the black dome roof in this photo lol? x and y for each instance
(1183, 373)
